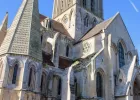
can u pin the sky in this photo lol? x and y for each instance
(129, 9)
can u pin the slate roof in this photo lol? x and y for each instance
(24, 36)
(3, 28)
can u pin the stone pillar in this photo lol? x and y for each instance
(107, 60)
(67, 80)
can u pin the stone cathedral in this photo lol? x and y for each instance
(76, 55)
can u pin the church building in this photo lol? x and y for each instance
(75, 55)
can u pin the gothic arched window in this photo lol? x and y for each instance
(15, 74)
(41, 38)
(94, 22)
(31, 80)
(30, 76)
(67, 50)
(59, 86)
(76, 87)
(99, 85)
(84, 3)
(86, 21)
(43, 83)
(93, 5)
(121, 55)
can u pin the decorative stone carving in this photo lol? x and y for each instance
(65, 19)
(86, 47)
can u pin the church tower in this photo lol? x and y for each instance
(21, 55)
(78, 16)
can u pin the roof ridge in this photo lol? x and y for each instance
(4, 22)
(111, 19)
(95, 30)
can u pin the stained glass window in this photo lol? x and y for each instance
(121, 56)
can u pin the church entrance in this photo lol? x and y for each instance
(136, 88)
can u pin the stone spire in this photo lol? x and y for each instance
(23, 37)
(3, 28)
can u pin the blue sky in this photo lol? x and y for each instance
(129, 9)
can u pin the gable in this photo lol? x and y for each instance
(119, 31)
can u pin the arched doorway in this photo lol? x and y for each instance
(99, 85)
(136, 88)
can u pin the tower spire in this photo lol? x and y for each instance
(23, 37)
(3, 28)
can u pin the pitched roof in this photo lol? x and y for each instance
(23, 36)
(3, 28)
(57, 26)
(98, 28)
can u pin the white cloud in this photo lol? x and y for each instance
(134, 6)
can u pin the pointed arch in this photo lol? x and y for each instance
(43, 86)
(32, 76)
(123, 44)
(86, 20)
(15, 71)
(70, 15)
(121, 52)
(57, 84)
(100, 77)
